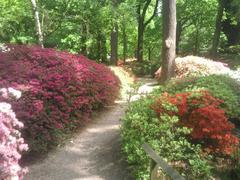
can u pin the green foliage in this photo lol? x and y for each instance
(233, 49)
(145, 68)
(196, 23)
(220, 86)
(15, 20)
(142, 125)
(84, 26)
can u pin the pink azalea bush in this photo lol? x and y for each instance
(59, 91)
(11, 143)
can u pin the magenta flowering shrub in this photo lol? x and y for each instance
(59, 91)
(11, 144)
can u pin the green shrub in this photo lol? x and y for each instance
(141, 124)
(220, 86)
(145, 68)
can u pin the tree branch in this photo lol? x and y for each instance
(153, 15)
(145, 8)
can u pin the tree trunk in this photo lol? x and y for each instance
(178, 36)
(218, 28)
(142, 25)
(37, 23)
(196, 44)
(104, 49)
(98, 46)
(124, 41)
(114, 45)
(169, 39)
(140, 39)
(149, 53)
(84, 39)
(140, 36)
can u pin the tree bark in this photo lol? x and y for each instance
(98, 46)
(169, 40)
(124, 40)
(149, 53)
(218, 28)
(178, 36)
(104, 49)
(37, 23)
(84, 39)
(140, 39)
(196, 44)
(114, 45)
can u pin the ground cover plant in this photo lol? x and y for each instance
(59, 91)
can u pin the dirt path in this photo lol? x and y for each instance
(93, 154)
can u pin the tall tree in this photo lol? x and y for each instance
(169, 39)
(142, 23)
(114, 45)
(37, 23)
(218, 28)
(114, 34)
(124, 34)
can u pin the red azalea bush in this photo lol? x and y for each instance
(11, 144)
(200, 111)
(59, 90)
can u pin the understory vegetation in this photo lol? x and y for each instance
(49, 84)
(192, 122)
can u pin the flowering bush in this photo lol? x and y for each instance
(196, 66)
(59, 91)
(235, 74)
(11, 143)
(220, 86)
(200, 112)
(141, 124)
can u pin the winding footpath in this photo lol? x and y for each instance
(92, 154)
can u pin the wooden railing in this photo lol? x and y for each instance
(156, 162)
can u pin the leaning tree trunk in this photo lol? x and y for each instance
(169, 39)
(114, 45)
(218, 28)
(37, 23)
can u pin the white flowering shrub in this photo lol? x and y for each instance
(190, 66)
(11, 142)
(235, 74)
